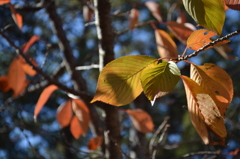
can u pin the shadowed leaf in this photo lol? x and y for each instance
(64, 113)
(181, 19)
(30, 42)
(87, 13)
(4, 86)
(233, 4)
(16, 17)
(154, 8)
(75, 127)
(95, 142)
(133, 18)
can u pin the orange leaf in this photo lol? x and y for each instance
(133, 18)
(204, 113)
(166, 46)
(154, 8)
(75, 127)
(141, 120)
(46, 93)
(202, 37)
(95, 142)
(21, 89)
(4, 86)
(82, 113)
(16, 17)
(87, 13)
(180, 31)
(216, 82)
(4, 1)
(233, 4)
(235, 152)
(16, 77)
(27, 68)
(30, 42)
(64, 113)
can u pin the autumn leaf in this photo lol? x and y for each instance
(202, 37)
(133, 18)
(95, 142)
(158, 79)
(154, 8)
(141, 120)
(119, 81)
(16, 77)
(209, 14)
(16, 17)
(87, 13)
(46, 93)
(30, 42)
(180, 31)
(181, 19)
(64, 113)
(4, 2)
(75, 127)
(4, 86)
(165, 45)
(216, 82)
(233, 4)
(81, 111)
(27, 68)
(204, 113)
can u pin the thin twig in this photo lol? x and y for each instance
(87, 67)
(200, 153)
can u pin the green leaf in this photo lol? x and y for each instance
(119, 82)
(209, 14)
(159, 79)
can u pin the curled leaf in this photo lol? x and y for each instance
(233, 4)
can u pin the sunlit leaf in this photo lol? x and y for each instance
(27, 68)
(233, 4)
(21, 89)
(95, 142)
(209, 14)
(204, 113)
(154, 8)
(87, 13)
(46, 93)
(133, 18)
(235, 152)
(16, 17)
(202, 37)
(75, 127)
(216, 82)
(16, 77)
(4, 2)
(30, 42)
(81, 111)
(165, 45)
(158, 79)
(4, 86)
(65, 113)
(180, 31)
(119, 82)
(141, 120)
(190, 26)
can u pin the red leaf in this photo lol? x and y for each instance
(4, 86)
(133, 18)
(75, 127)
(64, 113)
(43, 99)
(141, 120)
(95, 142)
(154, 9)
(16, 77)
(82, 113)
(16, 17)
(30, 42)
(4, 1)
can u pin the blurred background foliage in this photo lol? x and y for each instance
(20, 137)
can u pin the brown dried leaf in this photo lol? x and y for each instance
(181, 19)
(75, 127)
(30, 42)
(95, 142)
(133, 18)
(154, 8)
(141, 120)
(4, 86)
(16, 17)
(87, 13)
(233, 4)
(64, 113)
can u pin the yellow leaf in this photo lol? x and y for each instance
(64, 113)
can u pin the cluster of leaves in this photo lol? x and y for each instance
(209, 88)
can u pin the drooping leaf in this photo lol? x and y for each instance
(16, 77)
(46, 93)
(95, 142)
(207, 13)
(4, 86)
(141, 120)
(202, 37)
(87, 13)
(159, 79)
(119, 82)
(27, 68)
(64, 113)
(216, 82)
(180, 31)
(30, 42)
(133, 18)
(16, 17)
(154, 8)
(4, 2)
(81, 111)
(204, 113)
(75, 127)
(233, 4)
(165, 45)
